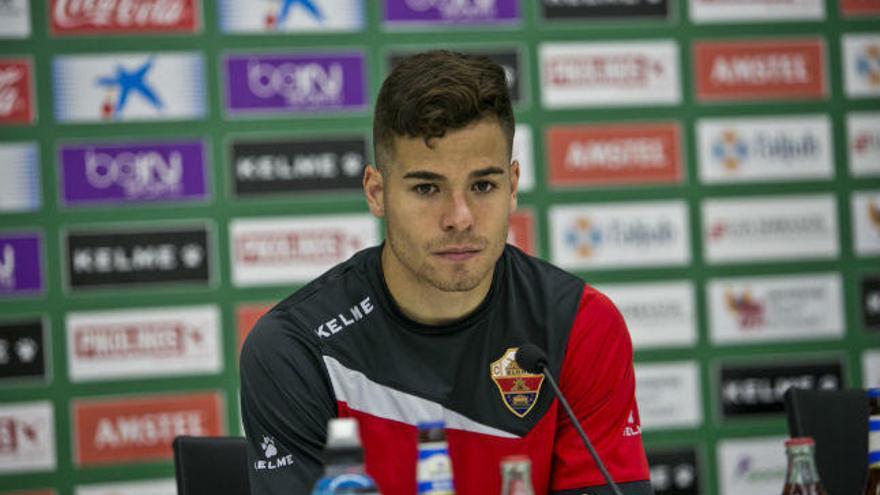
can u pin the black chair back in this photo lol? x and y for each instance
(210, 466)
(838, 422)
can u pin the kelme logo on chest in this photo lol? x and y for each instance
(519, 389)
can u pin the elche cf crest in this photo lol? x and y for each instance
(519, 389)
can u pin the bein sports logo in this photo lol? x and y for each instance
(868, 65)
(583, 237)
(146, 173)
(298, 83)
(122, 84)
(748, 310)
(279, 12)
(455, 9)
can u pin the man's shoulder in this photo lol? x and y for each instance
(538, 273)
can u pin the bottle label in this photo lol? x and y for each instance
(874, 441)
(348, 483)
(434, 472)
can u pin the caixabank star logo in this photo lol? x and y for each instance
(519, 389)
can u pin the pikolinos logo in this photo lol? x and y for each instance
(71, 17)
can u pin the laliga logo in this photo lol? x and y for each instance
(299, 84)
(277, 17)
(731, 150)
(7, 267)
(749, 311)
(868, 65)
(9, 94)
(455, 8)
(145, 173)
(126, 82)
(583, 237)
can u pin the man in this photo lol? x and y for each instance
(425, 326)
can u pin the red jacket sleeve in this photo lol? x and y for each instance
(597, 378)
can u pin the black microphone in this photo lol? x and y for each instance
(531, 358)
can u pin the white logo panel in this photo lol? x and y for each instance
(865, 208)
(27, 437)
(871, 369)
(724, 11)
(523, 151)
(760, 309)
(620, 235)
(668, 395)
(296, 249)
(771, 149)
(268, 16)
(658, 314)
(863, 136)
(754, 466)
(151, 487)
(19, 177)
(610, 74)
(15, 19)
(861, 65)
(770, 228)
(129, 87)
(141, 343)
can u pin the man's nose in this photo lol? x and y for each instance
(457, 213)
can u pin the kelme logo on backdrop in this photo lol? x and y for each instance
(674, 471)
(582, 10)
(133, 172)
(141, 428)
(17, 98)
(767, 69)
(19, 177)
(129, 87)
(297, 165)
(21, 263)
(27, 437)
(127, 257)
(76, 17)
(758, 388)
(296, 82)
(443, 12)
(291, 16)
(22, 352)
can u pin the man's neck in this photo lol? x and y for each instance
(424, 303)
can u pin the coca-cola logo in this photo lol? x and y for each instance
(10, 90)
(308, 83)
(141, 13)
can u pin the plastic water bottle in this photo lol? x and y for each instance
(344, 472)
(434, 470)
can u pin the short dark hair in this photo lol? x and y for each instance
(430, 93)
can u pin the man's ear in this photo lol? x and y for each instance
(374, 187)
(514, 183)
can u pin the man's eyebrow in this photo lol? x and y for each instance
(483, 172)
(433, 176)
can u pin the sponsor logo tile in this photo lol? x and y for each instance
(765, 149)
(17, 96)
(133, 172)
(21, 263)
(146, 487)
(620, 235)
(119, 430)
(286, 250)
(863, 137)
(865, 208)
(590, 10)
(23, 353)
(757, 388)
(631, 73)
(778, 308)
(870, 302)
(521, 231)
(674, 471)
(15, 19)
(143, 343)
(19, 177)
(27, 437)
(727, 11)
(852, 8)
(246, 316)
(291, 166)
(614, 154)
(523, 152)
(441, 13)
(295, 82)
(76, 18)
(127, 87)
(291, 16)
(751, 465)
(770, 228)
(861, 65)
(668, 395)
(657, 314)
(126, 256)
(766, 69)
(871, 368)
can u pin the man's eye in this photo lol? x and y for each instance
(484, 186)
(425, 189)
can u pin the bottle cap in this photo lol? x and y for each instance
(343, 433)
(513, 459)
(873, 392)
(792, 442)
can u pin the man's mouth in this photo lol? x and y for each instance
(458, 253)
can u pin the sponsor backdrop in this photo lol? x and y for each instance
(170, 168)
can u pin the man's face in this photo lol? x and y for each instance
(446, 207)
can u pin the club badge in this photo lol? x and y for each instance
(519, 389)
